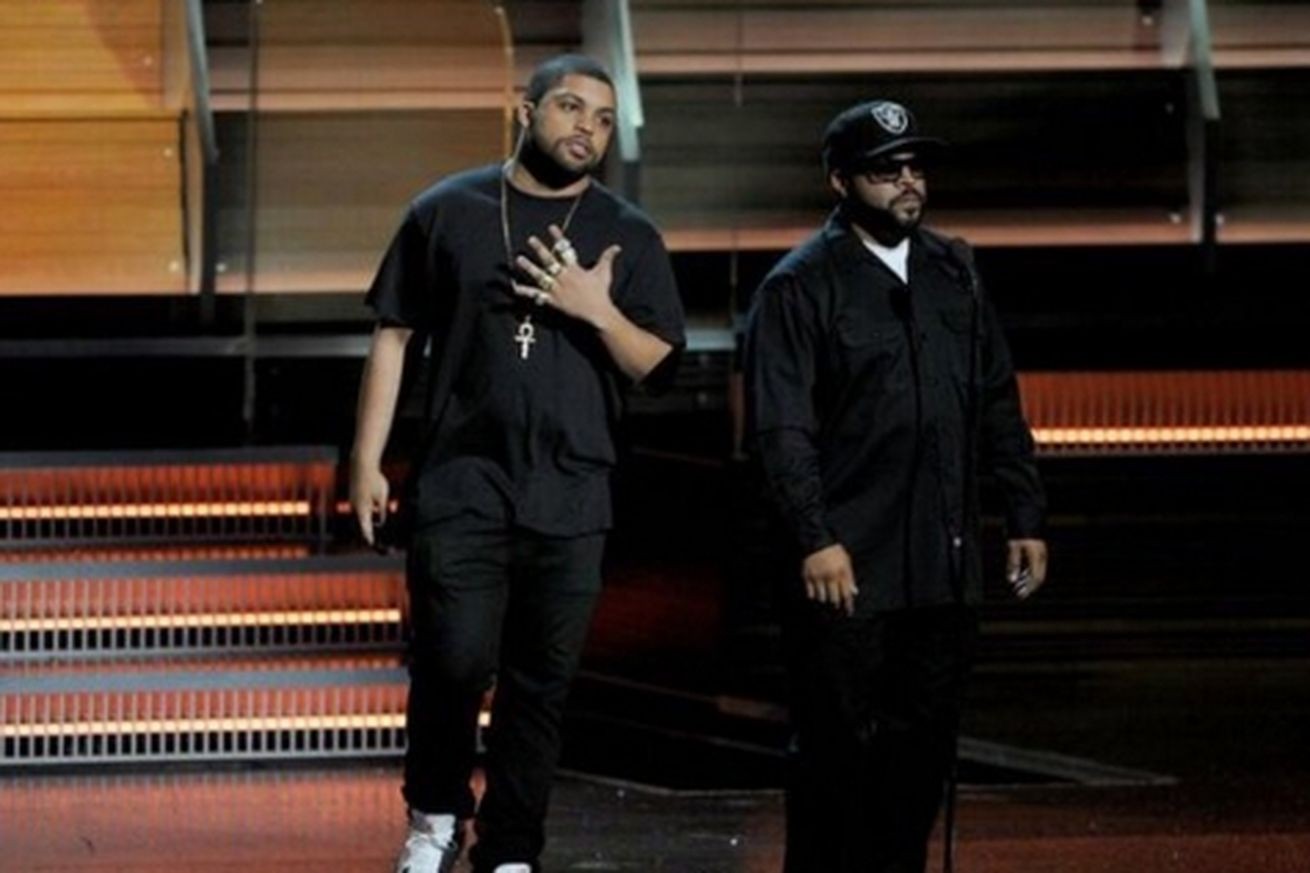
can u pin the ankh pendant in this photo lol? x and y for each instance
(525, 337)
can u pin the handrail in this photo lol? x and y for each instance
(607, 36)
(633, 117)
(1203, 59)
(197, 51)
(249, 313)
(1203, 181)
(1188, 42)
(195, 29)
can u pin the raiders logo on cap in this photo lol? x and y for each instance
(892, 116)
(869, 130)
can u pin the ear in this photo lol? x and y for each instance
(837, 182)
(524, 113)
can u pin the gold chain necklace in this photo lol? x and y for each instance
(526, 335)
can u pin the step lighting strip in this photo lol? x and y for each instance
(1127, 436)
(1169, 411)
(202, 620)
(227, 509)
(385, 721)
(136, 727)
(92, 554)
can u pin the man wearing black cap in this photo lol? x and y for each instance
(878, 384)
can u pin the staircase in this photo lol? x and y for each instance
(183, 607)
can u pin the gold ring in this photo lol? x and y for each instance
(554, 268)
(547, 283)
(540, 298)
(561, 245)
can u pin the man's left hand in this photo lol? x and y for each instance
(1026, 566)
(561, 282)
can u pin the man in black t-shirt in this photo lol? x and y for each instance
(543, 296)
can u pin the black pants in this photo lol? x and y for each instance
(509, 606)
(875, 706)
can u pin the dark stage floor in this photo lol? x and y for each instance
(1224, 740)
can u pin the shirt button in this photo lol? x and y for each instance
(957, 541)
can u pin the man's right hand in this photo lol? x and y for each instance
(829, 577)
(369, 492)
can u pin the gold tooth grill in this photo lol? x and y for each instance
(50, 611)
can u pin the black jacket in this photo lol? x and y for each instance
(871, 405)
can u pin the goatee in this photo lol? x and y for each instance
(544, 168)
(881, 224)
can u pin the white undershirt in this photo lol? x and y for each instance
(897, 257)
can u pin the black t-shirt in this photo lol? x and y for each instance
(524, 441)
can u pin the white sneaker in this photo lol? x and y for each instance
(431, 846)
(512, 868)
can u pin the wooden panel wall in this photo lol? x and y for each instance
(333, 187)
(96, 55)
(90, 164)
(1051, 168)
(678, 36)
(360, 105)
(368, 54)
(90, 205)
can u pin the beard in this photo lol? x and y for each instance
(885, 225)
(545, 167)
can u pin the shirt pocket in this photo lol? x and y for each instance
(874, 353)
(957, 346)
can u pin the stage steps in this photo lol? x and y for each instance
(1168, 412)
(52, 612)
(181, 606)
(186, 498)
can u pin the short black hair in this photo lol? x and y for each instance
(551, 72)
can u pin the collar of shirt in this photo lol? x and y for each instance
(848, 247)
(897, 257)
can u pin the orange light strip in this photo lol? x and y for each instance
(248, 509)
(200, 620)
(1200, 435)
(158, 553)
(388, 721)
(385, 721)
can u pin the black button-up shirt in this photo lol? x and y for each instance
(524, 441)
(860, 411)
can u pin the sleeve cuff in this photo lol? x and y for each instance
(812, 539)
(1025, 525)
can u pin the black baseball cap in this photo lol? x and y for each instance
(870, 130)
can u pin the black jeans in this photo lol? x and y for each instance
(876, 707)
(509, 606)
